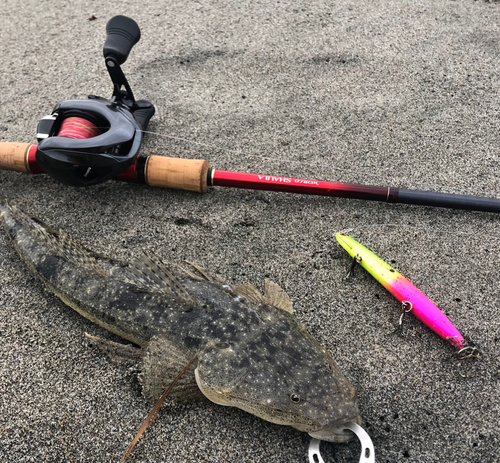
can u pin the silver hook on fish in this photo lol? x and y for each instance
(314, 455)
(367, 449)
(406, 307)
(355, 260)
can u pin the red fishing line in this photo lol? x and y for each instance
(72, 127)
(77, 127)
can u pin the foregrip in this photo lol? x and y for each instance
(180, 174)
(14, 156)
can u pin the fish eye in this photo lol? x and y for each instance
(331, 364)
(295, 398)
(222, 345)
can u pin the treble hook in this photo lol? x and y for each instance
(467, 352)
(357, 259)
(407, 307)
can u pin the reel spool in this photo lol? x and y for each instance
(86, 142)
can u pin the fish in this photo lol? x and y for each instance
(252, 351)
(412, 299)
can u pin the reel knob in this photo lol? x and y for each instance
(122, 34)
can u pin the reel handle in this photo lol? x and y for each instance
(122, 34)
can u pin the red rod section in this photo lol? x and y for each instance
(299, 185)
(31, 161)
(128, 175)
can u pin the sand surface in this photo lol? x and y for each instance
(384, 93)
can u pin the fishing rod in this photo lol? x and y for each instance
(86, 142)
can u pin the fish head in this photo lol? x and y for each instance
(283, 377)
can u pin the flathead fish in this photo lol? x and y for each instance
(252, 351)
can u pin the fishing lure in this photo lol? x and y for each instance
(411, 298)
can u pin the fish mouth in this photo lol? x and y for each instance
(336, 432)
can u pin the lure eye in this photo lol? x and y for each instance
(295, 398)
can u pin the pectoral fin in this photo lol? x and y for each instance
(161, 365)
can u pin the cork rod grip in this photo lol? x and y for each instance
(179, 174)
(14, 156)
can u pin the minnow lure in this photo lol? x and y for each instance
(411, 298)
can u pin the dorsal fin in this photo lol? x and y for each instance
(150, 274)
(204, 274)
(273, 295)
(250, 292)
(276, 295)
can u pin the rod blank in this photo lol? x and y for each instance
(428, 198)
(353, 191)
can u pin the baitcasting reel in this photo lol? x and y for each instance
(86, 142)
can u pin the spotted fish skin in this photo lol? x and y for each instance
(251, 354)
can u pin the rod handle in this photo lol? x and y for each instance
(122, 34)
(14, 156)
(179, 174)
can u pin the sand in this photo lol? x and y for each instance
(384, 93)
